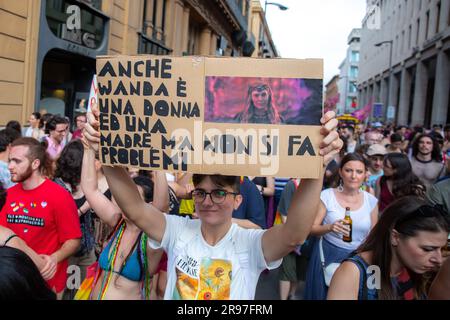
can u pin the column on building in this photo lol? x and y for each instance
(205, 41)
(370, 97)
(169, 30)
(362, 97)
(443, 19)
(420, 94)
(148, 18)
(177, 27)
(376, 91)
(393, 91)
(405, 97)
(442, 84)
(384, 93)
(159, 19)
(185, 37)
(213, 44)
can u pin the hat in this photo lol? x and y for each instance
(376, 149)
(377, 124)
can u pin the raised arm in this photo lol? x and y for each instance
(148, 218)
(282, 239)
(160, 191)
(107, 211)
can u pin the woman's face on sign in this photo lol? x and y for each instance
(260, 98)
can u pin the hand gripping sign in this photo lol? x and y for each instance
(233, 116)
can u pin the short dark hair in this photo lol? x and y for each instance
(13, 124)
(147, 186)
(37, 115)
(11, 134)
(53, 122)
(20, 279)
(219, 180)
(68, 165)
(395, 137)
(4, 141)
(349, 127)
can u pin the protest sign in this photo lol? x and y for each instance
(234, 116)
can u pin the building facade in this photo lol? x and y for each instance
(332, 95)
(264, 45)
(348, 74)
(48, 47)
(405, 64)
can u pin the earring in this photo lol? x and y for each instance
(340, 188)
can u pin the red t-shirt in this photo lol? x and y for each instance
(44, 218)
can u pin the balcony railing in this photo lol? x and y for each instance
(151, 46)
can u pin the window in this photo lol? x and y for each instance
(417, 32)
(353, 72)
(354, 56)
(409, 36)
(153, 23)
(427, 22)
(352, 87)
(438, 20)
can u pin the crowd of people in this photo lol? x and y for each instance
(119, 233)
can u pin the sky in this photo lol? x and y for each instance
(315, 29)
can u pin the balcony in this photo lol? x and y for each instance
(151, 46)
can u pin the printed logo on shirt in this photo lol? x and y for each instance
(208, 280)
(22, 219)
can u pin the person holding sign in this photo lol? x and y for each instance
(126, 264)
(210, 257)
(260, 107)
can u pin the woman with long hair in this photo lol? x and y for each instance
(127, 263)
(260, 106)
(397, 181)
(68, 175)
(403, 248)
(330, 227)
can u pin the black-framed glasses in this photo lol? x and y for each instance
(217, 196)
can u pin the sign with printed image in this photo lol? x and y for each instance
(233, 116)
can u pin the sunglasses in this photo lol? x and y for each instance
(425, 211)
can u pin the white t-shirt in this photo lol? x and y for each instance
(196, 270)
(361, 219)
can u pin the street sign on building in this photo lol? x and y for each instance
(391, 112)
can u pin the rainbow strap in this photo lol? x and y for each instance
(111, 262)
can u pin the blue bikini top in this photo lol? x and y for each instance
(132, 267)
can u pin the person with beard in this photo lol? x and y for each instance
(39, 211)
(426, 160)
(56, 128)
